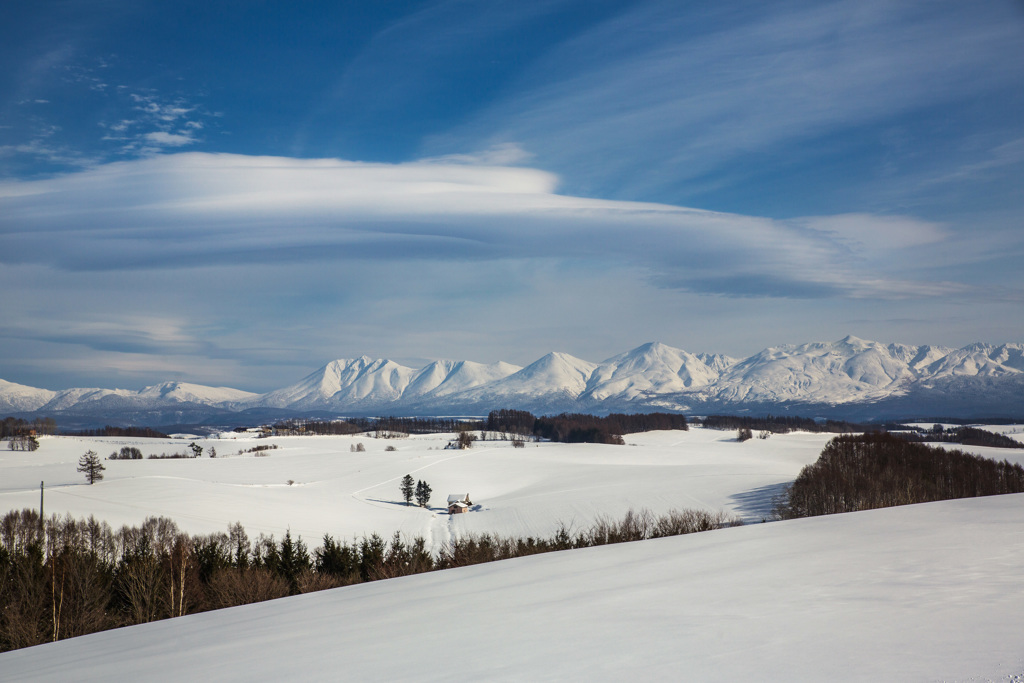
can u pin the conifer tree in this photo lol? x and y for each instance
(408, 488)
(423, 492)
(294, 560)
(90, 465)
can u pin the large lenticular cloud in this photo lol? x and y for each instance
(188, 210)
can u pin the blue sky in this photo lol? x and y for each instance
(235, 193)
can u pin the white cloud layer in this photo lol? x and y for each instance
(184, 210)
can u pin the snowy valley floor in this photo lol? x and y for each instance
(930, 592)
(521, 492)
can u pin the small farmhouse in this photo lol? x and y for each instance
(458, 503)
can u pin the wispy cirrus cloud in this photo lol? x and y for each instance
(43, 142)
(998, 158)
(93, 117)
(660, 96)
(164, 139)
(156, 124)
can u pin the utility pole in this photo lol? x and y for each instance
(42, 526)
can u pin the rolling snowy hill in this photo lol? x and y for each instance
(851, 377)
(919, 593)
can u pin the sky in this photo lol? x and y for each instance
(237, 193)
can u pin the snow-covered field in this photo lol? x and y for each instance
(921, 593)
(526, 491)
(930, 592)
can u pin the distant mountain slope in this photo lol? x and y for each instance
(16, 398)
(445, 378)
(717, 361)
(647, 370)
(852, 376)
(182, 392)
(851, 369)
(554, 374)
(342, 384)
(979, 360)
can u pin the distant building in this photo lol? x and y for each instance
(458, 503)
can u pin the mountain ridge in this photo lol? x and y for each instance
(854, 375)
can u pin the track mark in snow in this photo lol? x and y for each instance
(146, 509)
(355, 494)
(440, 531)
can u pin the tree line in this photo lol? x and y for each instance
(867, 471)
(63, 577)
(109, 430)
(784, 424)
(381, 426)
(580, 428)
(16, 426)
(570, 428)
(634, 526)
(968, 436)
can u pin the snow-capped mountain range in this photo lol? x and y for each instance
(851, 377)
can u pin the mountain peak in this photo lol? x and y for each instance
(978, 379)
(558, 359)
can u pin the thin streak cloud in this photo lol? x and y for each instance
(689, 92)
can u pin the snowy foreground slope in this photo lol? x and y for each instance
(928, 592)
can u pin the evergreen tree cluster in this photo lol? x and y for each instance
(420, 490)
